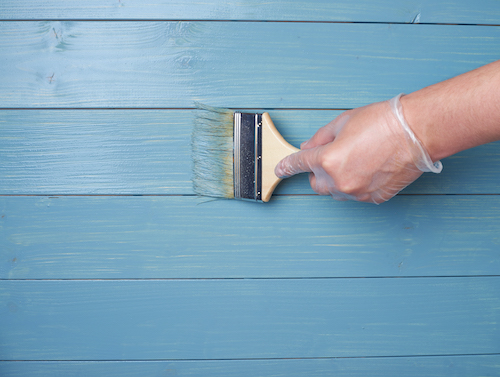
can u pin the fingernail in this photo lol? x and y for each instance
(304, 144)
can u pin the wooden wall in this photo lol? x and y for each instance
(111, 266)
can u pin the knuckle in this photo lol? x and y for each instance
(347, 186)
(327, 162)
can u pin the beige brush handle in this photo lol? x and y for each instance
(274, 149)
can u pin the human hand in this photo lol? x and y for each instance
(367, 154)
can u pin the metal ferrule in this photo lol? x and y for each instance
(247, 154)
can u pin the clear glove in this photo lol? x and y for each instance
(367, 154)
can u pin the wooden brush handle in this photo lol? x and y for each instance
(274, 149)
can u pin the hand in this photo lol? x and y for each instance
(364, 154)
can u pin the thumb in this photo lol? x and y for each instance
(300, 162)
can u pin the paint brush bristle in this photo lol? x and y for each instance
(212, 152)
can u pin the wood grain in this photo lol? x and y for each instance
(185, 237)
(171, 64)
(148, 152)
(248, 319)
(435, 366)
(127, 273)
(458, 11)
(95, 152)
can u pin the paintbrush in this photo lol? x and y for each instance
(234, 154)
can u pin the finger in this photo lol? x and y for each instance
(327, 133)
(320, 187)
(312, 181)
(299, 162)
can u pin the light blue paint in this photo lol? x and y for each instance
(125, 152)
(328, 284)
(290, 237)
(249, 318)
(435, 366)
(458, 11)
(230, 64)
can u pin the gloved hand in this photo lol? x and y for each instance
(367, 154)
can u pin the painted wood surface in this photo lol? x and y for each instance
(110, 266)
(249, 318)
(147, 152)
(435, 366)
(230, 64)
(185, 237)
(458, 11)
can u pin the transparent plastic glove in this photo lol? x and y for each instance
(367, 154)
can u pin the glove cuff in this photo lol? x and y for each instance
(423, 160)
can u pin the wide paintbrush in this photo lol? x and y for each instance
(235, 153)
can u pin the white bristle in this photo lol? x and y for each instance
(212, 152)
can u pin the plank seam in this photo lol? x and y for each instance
(240, 20)
(253, 278)
(265, 359)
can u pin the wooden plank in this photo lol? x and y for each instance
(249, 318)
(478, 12)
(184, 237)
(95, 152)
(131, 152)
(230, 64)
(435, 366)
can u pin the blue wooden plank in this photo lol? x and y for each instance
(230, 64)
(130, 152)
(458, 11)
(95, 152)
(248, 318)
(436, 366)
(184, 237)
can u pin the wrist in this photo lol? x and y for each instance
(457, 114)
(420, 119)
(419, 153)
